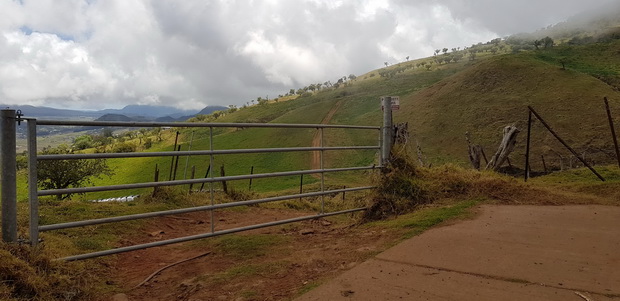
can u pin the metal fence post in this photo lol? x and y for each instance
(322, 173)
(210, 171)
(32, 182)
(386, 147)
(9, 175)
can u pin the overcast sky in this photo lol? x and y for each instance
(192, 53)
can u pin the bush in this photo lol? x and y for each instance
(124, 147)
(148, 143)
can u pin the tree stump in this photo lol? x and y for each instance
(505, 148)
(475, 152)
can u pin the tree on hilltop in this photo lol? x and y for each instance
(61, 174)
(547, 42)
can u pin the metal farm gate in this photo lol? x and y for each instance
(10, 118)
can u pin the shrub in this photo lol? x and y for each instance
(124, 147)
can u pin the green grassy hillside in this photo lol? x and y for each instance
(485, 97)
(440, 103)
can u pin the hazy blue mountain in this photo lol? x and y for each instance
(210, 109)
(149, 111)
(130, 113)
(47, 112)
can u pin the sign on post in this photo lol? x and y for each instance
(395, 102)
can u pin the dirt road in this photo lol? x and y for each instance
(316, 139)
(506, 253)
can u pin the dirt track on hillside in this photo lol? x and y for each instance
(316, 139)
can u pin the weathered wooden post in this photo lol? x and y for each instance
(176, 140)
(193, 174)
(613, 130)
(9, 175)
(202, 186)
(387, 131)
(223, 174)
(156, 179)
(251, 173)
(505, 148)
(527, 147)
(301, 184)
(176, 164)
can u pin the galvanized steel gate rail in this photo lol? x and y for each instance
(34, 193)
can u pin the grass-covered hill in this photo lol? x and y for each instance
(478, 96)
(486, 96)
(441, 99)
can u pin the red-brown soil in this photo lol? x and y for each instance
(310, 252)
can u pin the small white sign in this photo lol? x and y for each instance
(395, 103)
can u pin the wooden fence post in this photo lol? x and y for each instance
(176, 140)
(193, 174)
(202, 186)
(544, 123)
(301, 185)
(176, 164)
(251, 173)
(527, 147)
(613, 130)
(156, 179)
(223, 174)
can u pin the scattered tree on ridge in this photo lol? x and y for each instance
(61, 174)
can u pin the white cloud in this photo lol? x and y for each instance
(96, 54)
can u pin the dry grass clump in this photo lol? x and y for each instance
(399, 189)
(30, 274)
(403, 187)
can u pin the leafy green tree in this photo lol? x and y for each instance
(445, 50)
(83, 142)
(472, 55)
(61, 174)
(547, 42)
(22, 161)
(148, 143)
(107, 132)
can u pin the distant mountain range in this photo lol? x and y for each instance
(128, 113)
